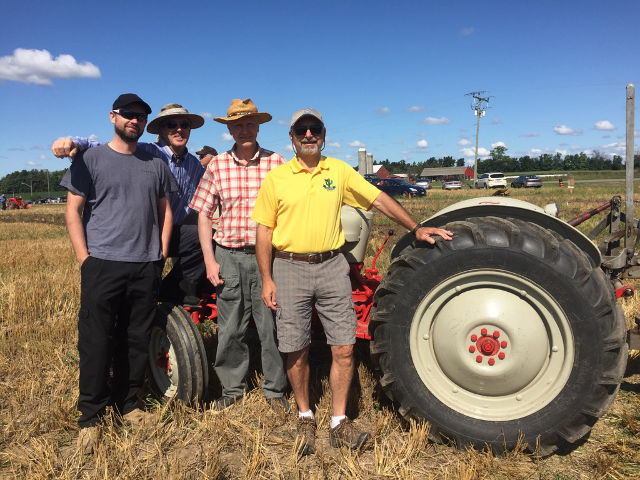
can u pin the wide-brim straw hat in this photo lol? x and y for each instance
(174, 110)
(243, 109)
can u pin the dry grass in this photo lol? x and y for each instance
(39, 295)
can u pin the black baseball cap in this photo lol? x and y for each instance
(127, 98)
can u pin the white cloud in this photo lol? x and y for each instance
(206, 115)
(383, 110)
(348, 157)
(39, 67)
(289, 148)
(436, 121)
(43, 157)
(535, 152)
(470, 152)
(564, 130)
(283, 122)
(465, 32)
(604, 125)
(356, 143)
(415, 108)
(31, 163)
(619, 147)
(530, 135)
(561, 152)
(422, 143)
(498, 144)
(93, 138)
(333, 144)
(464, 141)
(226, 137)
(496, 121)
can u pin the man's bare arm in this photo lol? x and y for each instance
(73, 216)
(264, 247)
(205, 229)
(396, 212)
(165, 217)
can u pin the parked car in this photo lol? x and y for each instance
(423, 182)
(372, 178)
(491, 180)
(527, 181)
(398, 186)
(451, 184)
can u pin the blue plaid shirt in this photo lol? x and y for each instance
(186, 169)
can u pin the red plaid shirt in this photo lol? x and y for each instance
(234, 187)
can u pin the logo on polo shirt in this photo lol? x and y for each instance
(328, 184)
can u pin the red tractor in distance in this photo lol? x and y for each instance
(17, 203)
(510, 334)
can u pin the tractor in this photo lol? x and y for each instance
(16, 203)
(510, 335)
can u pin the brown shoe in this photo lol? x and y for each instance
(88, 439)
(137, 417)
(346, 434)
(279, 405)
(306, 435)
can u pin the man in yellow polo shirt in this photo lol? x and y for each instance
(298, 215)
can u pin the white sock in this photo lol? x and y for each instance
(335, 421)
(307, 414)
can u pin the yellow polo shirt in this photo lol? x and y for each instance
(303, 207)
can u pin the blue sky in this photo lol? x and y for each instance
(390, 76)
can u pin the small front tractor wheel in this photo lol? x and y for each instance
(506, 334)
(177, 359)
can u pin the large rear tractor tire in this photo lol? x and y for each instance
(177, 359)
(506, 335)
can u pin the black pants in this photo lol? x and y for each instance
(117, 308)
(188, 263)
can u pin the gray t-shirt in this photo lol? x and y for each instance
(121, 211)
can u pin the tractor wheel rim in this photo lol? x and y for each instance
(163, 363)
(492, 345)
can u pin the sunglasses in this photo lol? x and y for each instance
(171, 125)
(130, 115)
(301, 130)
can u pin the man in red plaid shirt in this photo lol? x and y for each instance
(231, 181)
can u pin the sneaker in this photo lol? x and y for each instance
(223, 403)
(279, 405)
(88, 439)
(306, 435)
(137, 417)
(346, 434)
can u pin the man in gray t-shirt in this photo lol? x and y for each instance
(119, 222)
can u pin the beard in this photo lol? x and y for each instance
(309, 148)
(126, 136)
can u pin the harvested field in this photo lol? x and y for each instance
(39, 297)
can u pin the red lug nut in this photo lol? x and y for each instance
(501, 355)
(479, 359)
(496, 334)
(472, 349)
(483, 332)
(503, 344)
(474, 337)
(492, 361)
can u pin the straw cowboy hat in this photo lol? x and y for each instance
(174, 110)
(243, 109)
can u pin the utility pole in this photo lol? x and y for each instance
(479, 109)
(30, 185)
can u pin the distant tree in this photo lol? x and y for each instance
(448, 161)
(616, 163)
(460, 162)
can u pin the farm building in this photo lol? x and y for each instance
(462, 173)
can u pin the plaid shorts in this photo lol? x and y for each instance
(300, 287)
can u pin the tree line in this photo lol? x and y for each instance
(499, 161)
(31, 180)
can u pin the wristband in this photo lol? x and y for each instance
(415, 229)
